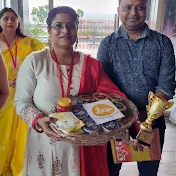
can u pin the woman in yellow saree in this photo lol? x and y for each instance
(14, 47)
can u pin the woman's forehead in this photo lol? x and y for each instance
(9, 14)
(63, 17)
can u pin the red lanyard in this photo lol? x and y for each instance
(60, 75)
(14, 60)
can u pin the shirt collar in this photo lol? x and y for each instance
(122, 33)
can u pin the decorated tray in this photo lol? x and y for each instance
(93, 134)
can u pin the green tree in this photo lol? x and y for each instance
(80, 13)
(39, 15)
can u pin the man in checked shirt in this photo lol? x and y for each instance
(139, 60)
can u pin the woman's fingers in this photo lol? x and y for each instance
(53, 127)
(44, 124)
(52, 134)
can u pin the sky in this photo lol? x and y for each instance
(88, 6)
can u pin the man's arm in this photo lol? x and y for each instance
(4, 87)
(166, 78)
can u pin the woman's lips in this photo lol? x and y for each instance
(65, 37)
(10, 26)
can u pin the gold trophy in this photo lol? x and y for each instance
(155, 109)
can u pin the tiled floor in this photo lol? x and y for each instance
(168, 162)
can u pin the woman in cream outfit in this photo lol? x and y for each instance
(38, 90)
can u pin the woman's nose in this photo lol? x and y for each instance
(64, 29)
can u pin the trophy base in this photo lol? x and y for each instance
(145, 137)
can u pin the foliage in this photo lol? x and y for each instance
(80, 13)
(39, 15)
(37, 32)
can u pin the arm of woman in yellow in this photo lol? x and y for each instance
(4, 87)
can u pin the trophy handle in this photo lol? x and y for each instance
(170, 104)
(150, 98)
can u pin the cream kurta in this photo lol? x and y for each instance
(38, 90)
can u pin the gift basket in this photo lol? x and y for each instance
(101, 128)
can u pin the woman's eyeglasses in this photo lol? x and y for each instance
(6, 18)
(60, 26)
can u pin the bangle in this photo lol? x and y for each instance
(37, 128)
(34, 123)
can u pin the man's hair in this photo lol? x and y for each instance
(121, 1)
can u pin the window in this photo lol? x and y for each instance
(95, 23)
(38, 10)
(170, 21)
(170, 18)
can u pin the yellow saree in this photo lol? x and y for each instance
(13, 131)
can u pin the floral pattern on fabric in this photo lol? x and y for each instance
(40, 161)
(29, 113)
(57, 167)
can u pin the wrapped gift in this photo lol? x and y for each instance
(123, 152)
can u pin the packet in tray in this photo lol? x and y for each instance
(67, 121)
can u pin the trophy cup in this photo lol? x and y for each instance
(155, 109)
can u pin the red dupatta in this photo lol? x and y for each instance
(93, 78)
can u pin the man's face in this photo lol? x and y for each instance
(132, 14)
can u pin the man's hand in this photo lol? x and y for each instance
(135, 143)
(161, 95)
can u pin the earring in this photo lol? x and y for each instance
(76, 44)
(49, 42)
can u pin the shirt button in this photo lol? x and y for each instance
(137, 90)
(135, 58)
(135, 74)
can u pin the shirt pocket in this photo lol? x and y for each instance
(151, 62)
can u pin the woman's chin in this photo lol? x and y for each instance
(10, 29)
(65, 45)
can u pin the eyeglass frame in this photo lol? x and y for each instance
(13, 18)
(65, 25)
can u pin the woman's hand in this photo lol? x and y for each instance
(48, 129)
(12, 83)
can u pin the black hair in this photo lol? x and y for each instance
(62, 9)
(18, 30)
(121, 1)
